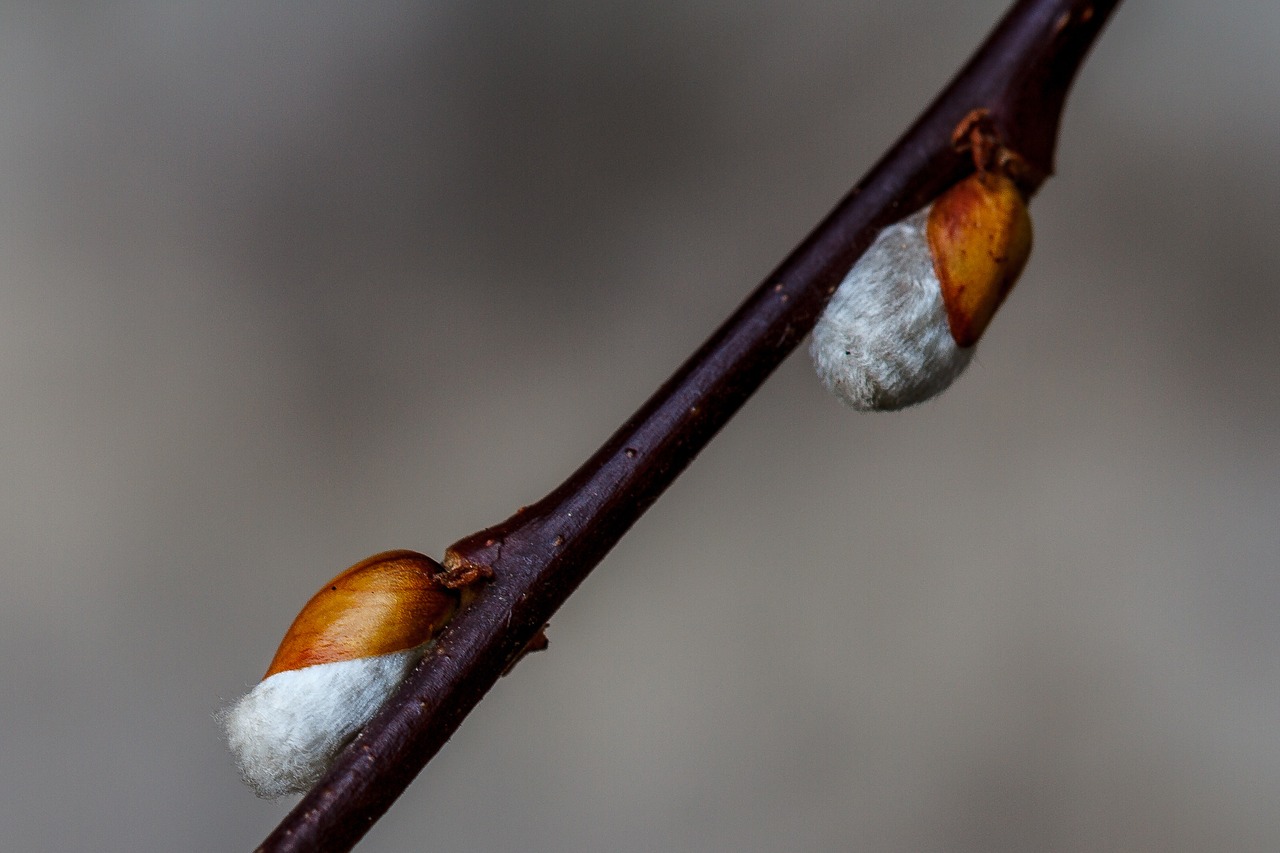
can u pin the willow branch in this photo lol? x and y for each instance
(1020, 76)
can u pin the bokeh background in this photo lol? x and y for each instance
(286, 285)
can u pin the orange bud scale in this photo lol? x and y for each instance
(383, 604)
(979, 234)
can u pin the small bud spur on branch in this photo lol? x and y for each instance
(1019, 79)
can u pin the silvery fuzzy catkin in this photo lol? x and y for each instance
(883, 342)
(288, 729)
(904, 322)
(345, 654)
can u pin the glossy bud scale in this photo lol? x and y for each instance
(979, 237)
(388, 602)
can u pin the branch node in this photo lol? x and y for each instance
(978, 134)
(539, 643)
(461, 573)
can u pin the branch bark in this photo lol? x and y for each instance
(1020, 75)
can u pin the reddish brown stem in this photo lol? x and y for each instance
(539, 556)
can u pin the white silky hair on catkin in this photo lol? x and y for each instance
(286, 731)
(883, 342)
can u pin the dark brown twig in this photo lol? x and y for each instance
(539, 556)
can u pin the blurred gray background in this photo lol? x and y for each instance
(285, 285)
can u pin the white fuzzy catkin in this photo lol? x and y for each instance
(883, 342)
(286, 731)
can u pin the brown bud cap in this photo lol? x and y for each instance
(980, 236)
(383, 604)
